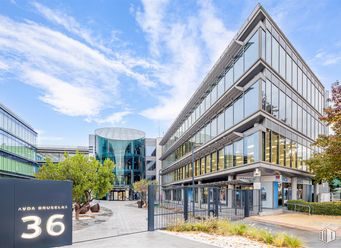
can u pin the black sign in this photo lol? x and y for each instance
(35, 213)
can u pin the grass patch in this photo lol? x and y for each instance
(226, 228)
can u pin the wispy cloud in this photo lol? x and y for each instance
(326, 58)
(191, 45)
(113, 119)
(77, 75)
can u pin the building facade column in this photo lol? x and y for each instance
(199, 194)
(294, 188)
(256, 192)
(230, 192)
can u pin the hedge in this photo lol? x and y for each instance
(322, 208)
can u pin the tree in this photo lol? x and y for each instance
(327, 165)
(90, 179)
(142, 188)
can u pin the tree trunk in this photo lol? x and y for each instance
(77, 210)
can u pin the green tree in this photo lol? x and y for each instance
(327, 165)
(142, 188)
(90, 179)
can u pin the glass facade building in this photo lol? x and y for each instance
(257, 111)
(17, 146)
(126, 148)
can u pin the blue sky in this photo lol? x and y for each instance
(69, 67)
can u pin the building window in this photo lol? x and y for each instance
(214, 128)
(228, 117)
(238, 153)
(282, 104)
(294, 155)
(251, 148)
(221, 159)
(275, 54)
(221, 87)
(288, 111)
(229, 79)
(282, 151)
(274, 147)
(251, 99)
(289, 70)
(202, 166)
(214, 161)
(288, 153)
(208, 163)
(251, 51)
(268, 48)
(238, 110)
(294, 75)
(268, 97)
(274, 101)
(282, 62)
(238, 66)
(229, 156)
(221, 123)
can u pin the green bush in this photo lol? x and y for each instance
(225, 228)
(322, 208)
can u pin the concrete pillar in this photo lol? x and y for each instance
(230, 192)
(257, 189)
(171, 194)
(294, 188)
(316, 192)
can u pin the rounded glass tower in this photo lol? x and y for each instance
(126, 148)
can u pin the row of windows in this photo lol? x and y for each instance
(244, 106)
(280, 150)
(244, 151)
(279, 104)
(276, 149)
(242, 61)
(281, 61)
(13, 145)
(14, 127)
(7, 164)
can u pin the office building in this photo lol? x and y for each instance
(57, 153)
(17, 146)
(251, 121)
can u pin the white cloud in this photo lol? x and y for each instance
(76, 78)
(43, 138)
(185, 47)
(326, 59)
(113, 119)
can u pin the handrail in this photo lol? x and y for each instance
(300, 205)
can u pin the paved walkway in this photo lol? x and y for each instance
(126, 218)
(127, 227)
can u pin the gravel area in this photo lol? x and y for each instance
(89, 219)
(221, 241)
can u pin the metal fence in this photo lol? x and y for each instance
(171, 206)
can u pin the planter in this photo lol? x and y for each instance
(95, 208)
(84, 209)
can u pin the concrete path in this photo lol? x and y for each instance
(154, 239)
(127, 227)
(126, 219)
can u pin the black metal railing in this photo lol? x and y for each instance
(199, 203)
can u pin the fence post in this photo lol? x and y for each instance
(216, 201)
(151, 199)
(246, 203)
(185, 204)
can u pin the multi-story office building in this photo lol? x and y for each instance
(126, 148)
(57, 153)
(17, 146)
(251, 121)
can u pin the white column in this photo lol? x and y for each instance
(294, 188)
(257, 188)
(229, 192)
(182, 193)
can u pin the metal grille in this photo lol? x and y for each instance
(176, 205)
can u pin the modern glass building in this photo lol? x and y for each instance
(57, 153)
(17, 146)
(252, 120)
(126, 148)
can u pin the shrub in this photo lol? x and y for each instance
(225, 228)
(323, 208)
